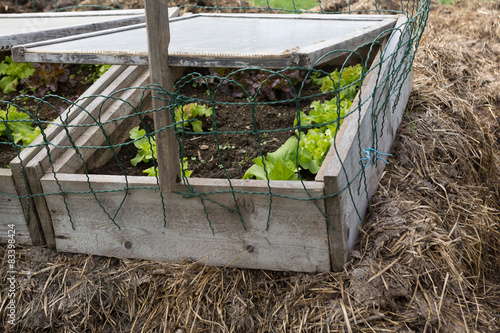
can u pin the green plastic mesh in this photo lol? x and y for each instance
(84, 138)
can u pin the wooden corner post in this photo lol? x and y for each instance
(157, 25)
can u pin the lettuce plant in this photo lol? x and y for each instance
(146, 145)
(146, 152)
(12, 73)
(279, 165)
(186, 114)
(16, 126)
(327, 114)
(245, 83)
(313, 148)
(49, 77)
(347, 81)
(317, 130)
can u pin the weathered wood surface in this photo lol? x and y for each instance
(18, 29)
(30, 166)
(11, 211)
(162, 75)
(296, 239)
(343, 173)
(35, 162)
(111, 129)
(223, 40)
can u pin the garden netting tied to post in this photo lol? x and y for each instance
(85, 132)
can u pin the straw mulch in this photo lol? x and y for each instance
(428, 259)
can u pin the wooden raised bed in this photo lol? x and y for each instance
(127, 217)
(11, 211)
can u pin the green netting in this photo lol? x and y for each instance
(85, 138)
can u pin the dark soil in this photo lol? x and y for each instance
(226, 148)
(47, 108)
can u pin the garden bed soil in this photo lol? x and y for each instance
(225, 155)
(48, 107)
(209, 155)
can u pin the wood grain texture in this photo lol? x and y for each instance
(296, 239)
(7, 42)
(167, 147)
(98, 47)
(343, 175)
(11, 211)
(30, 166)
(111, 125)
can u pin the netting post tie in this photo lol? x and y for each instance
(369, 159)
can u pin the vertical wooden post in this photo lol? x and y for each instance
(161, 74)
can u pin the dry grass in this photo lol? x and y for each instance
(428, 259)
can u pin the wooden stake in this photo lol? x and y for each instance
(157, 24)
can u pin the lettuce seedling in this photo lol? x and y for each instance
(19, 126)
(186, 114)
(347, 82)
(146, 146)
(11, 73)
(280, 165)
(146, 152)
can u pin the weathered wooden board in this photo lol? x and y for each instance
(18, 29)
(158, 30)
(296, 239)
(222, 40)
(391, 80)
(34, 162)
(111, 127)
(26, 170)
(11, 211)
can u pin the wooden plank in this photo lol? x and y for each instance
(296, 239)
(344, 174)
(27, 169)
(87, 115)
(162, 75)
(41, 163)
(35, 27)
(11, 211)
(223, 40)
(21, 182)
(111, 127)
(70, 114)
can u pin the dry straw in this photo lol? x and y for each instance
(428, 259)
